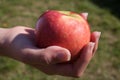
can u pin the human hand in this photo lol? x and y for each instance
(19, 44)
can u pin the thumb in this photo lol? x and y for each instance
(55, 54)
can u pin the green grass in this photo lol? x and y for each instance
(104, 66)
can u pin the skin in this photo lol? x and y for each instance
(18, 43)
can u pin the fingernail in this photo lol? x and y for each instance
(98, 34)
(84, 15)
(65, 56)
(68, 56)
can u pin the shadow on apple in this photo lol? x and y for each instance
(112, 5)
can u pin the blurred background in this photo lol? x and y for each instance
(104, 16)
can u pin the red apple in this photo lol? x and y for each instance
(62, 28)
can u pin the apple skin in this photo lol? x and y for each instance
(62, 28)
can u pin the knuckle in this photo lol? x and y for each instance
(44, 60)
(77, 74)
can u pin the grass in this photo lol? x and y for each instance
(106, 63)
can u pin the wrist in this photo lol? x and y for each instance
(3, 34)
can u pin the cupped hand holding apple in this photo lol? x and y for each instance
(71, 31)
(18, 43)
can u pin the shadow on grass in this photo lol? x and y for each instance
(112, 5)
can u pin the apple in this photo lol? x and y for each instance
(63, 28)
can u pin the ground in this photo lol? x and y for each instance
(103, 16)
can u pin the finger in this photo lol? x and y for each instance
(57, 69)
(95, 36)
(84, 15)
(53, 55)
(76, 69)
(85, 57)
